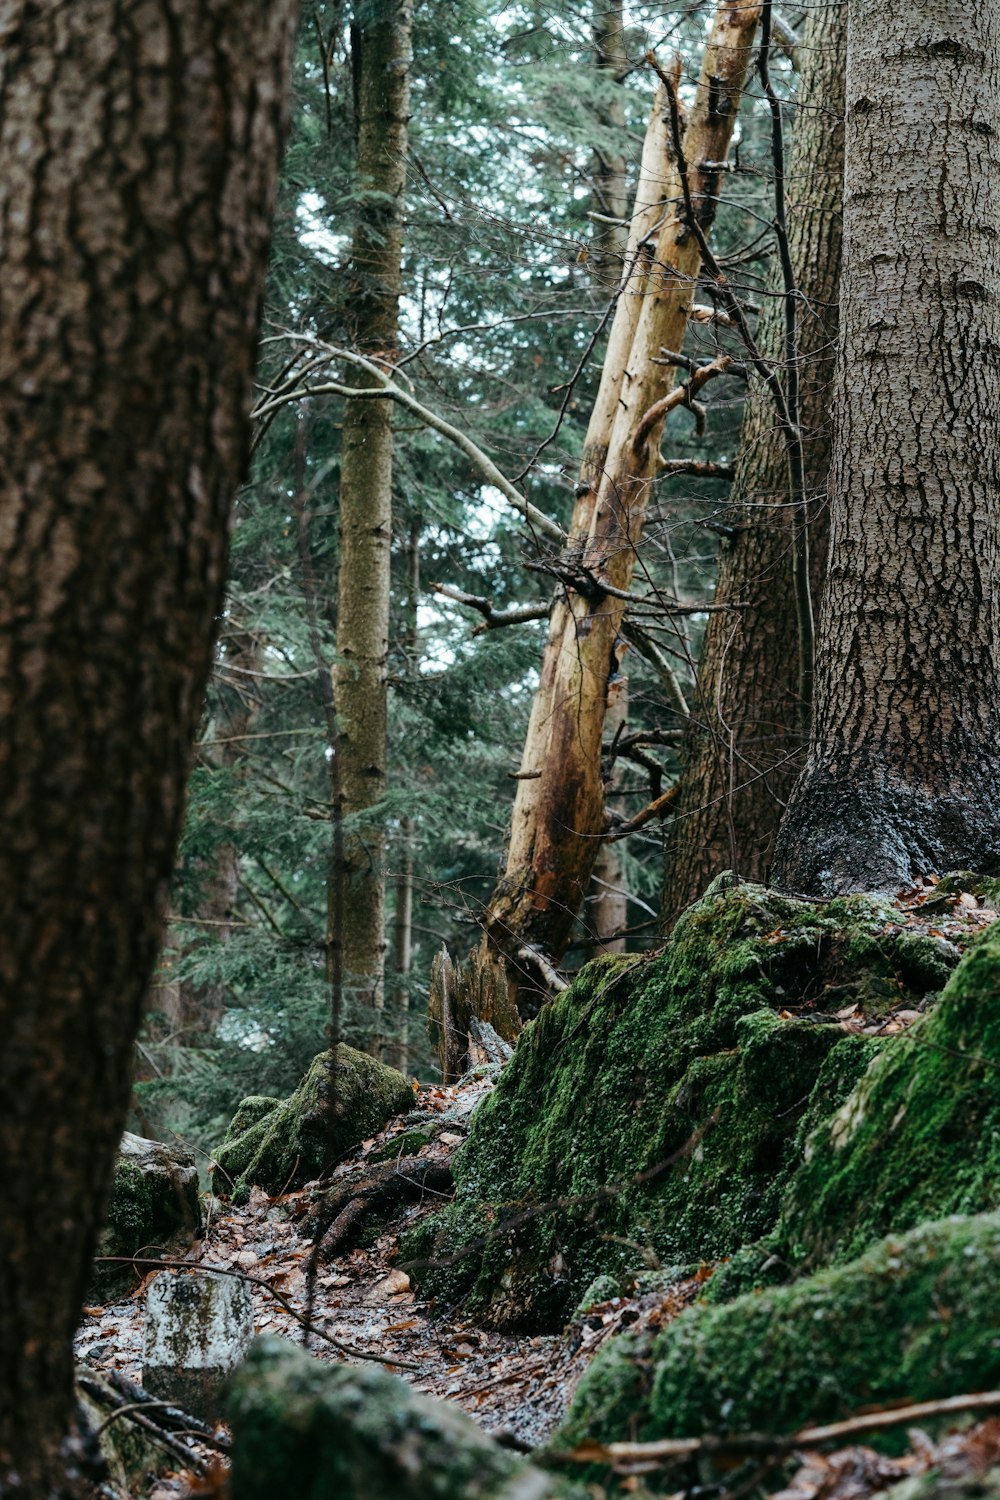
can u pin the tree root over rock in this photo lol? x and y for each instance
(381, 1190)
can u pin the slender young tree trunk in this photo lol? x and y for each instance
(139, 145)
(193, 1010)
(403, 916)
(903, 773)
(608, 900)
(558, 815)
(745, 749)
(381, 41)
(610, 175)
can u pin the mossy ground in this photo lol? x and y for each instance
(690, 1059)
(278, 1145)
(911, 1320)
(918, 1137)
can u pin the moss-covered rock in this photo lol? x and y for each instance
(683, 1081)
(279, 1145)
(911, 1320)
(918, 1137)
(154, 1207)
(340, 1432)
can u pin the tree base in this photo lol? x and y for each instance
(842, 834)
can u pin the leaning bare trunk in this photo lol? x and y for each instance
(559, 809)
(903, 774)
(745, 750)
(383, 73)
(139, 144)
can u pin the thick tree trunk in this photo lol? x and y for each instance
(139, 145)
(745, 749)
(381, 41)
(558, 815)
(903, 774)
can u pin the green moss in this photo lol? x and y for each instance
(407, 1144)
(280, 1146)
(153, 1206)
(911, 1320)
(340, 1432)
(918, 1137)
(684, 1059)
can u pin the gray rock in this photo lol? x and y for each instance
(154, 1207)
(198, 1329)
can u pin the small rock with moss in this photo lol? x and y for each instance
(197, 1330)
(279, 1145)
(343, 1432)
(154, 1207)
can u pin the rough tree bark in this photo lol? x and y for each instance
(903, 772)
(745, 748)
(139, 142)
(558, 814)
(381, 41)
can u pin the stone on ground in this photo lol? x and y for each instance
(154, 1208)
(198, 1328)
(279, 1145)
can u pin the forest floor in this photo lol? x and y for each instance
(518, 1388)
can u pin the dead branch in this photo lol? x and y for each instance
(672, 468)
(549, 973)
(647, 648)
(380, 1189)
(665, 1449)
(495, 619)
(654, 809)
(388, 390)
(681, 395)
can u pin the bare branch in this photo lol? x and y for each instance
(516, 614)
(664, 1449)
(389, 390)
(655, 809)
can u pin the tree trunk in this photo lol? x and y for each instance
(607, 903)
(192, 1010)
(558, 815)
(403, 915)
(381, 43)
(610, 174)
(139, 144)
(745, 749)
(903, 773)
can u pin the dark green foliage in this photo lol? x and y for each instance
(909, 1321)
(280, 1145)
(348, 1432)
(683, 1059)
